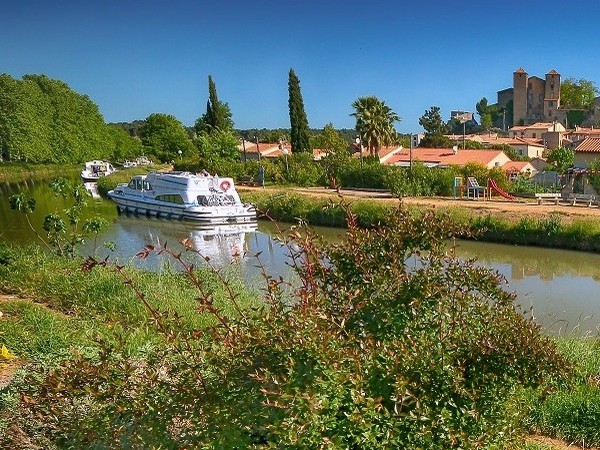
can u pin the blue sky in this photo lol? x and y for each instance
(135, 58)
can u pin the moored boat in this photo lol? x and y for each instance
(96, 169)
(183, 195)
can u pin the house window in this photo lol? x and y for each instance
(534, 135)
(550, 104)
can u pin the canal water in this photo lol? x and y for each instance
(561, 287)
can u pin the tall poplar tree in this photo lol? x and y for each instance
(299, 134)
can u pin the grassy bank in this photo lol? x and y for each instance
(11, 172)
(95, 327)
(546, 230)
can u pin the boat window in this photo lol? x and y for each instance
(203, 200)
(171, 198)
(131, 184)
(147, 186)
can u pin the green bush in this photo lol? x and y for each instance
(420, 181)
(369, 353)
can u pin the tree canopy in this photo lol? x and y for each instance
(165, 137)
(298, 122)
(432, 121)
(375, 123)
(561, 158)
(44, 121)
(435, 129)
(217, 115)
(578, 93)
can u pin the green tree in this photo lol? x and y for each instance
(43, 120)
(488, 114)
(578, 93)
(561, 158)
(432, 121)
(218, 145)
(435, 129)
(165, 137)
(299, 123)
(125, 147)
(336, 151)
(375, 123)
(217, 115)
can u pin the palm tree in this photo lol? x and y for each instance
(375, 123)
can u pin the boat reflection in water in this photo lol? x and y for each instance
(92, 188)
(221, 245)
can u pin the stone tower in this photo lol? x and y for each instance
(552, 95)
(519, 96)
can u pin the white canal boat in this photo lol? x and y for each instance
(96, 169)
(183, 195)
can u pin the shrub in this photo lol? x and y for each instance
(369, 353)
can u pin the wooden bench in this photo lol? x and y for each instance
(246, 181)
(588, 199)
(550, 197)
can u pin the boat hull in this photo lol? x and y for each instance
(213, 215)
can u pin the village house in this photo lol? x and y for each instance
(580, 133)
(515, 169)
(586, 151)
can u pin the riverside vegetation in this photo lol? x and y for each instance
(359, 352)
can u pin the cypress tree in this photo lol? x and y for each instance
(298, 121)
(218, 114)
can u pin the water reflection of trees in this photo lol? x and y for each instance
(533, 261)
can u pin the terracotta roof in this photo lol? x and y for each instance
(585, 131)
(530, 142)
(589, 145)
(552, 72)
(520, 70)
(384, 152)
(516, 166)
(536, 126)
(446, 156)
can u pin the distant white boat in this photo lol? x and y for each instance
(183, 195)
(96, 169)
(127, 164)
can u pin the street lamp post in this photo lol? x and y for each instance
(257, 149)
(410, 154)
(180, 153)
(360, 147)
(244, 147)
(463, 119)
(285, 154)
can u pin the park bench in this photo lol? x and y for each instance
(549, 197)
(588, 199)
(246, 181)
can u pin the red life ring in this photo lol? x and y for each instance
(225, 185)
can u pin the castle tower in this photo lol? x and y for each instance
(552, 95)
(519, 96)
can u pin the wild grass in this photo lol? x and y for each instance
(570, 412)
(76, 307)
(13, 172)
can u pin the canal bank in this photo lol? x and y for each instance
(516, 223)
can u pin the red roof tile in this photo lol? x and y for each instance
(589, 145)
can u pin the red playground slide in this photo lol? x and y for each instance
(493, 187)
